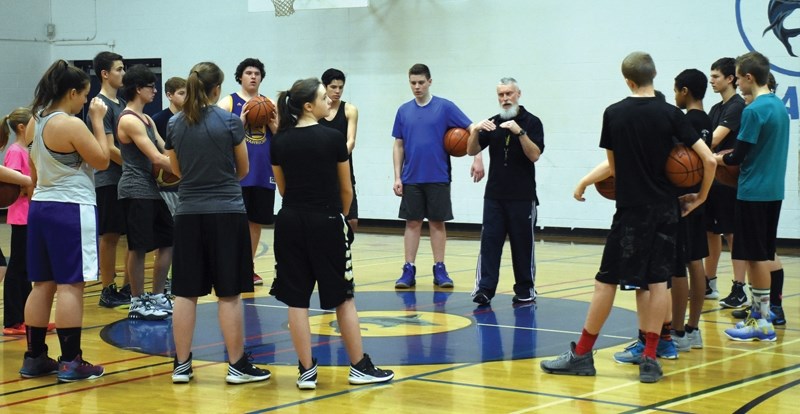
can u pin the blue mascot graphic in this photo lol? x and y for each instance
(778, 11)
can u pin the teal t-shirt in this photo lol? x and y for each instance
(765, 124)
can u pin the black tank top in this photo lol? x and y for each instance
(339, 123)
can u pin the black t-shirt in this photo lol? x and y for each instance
(512, 176)
(309, 157)
(729, 115)
(639, 131)
(701, 123)
(161, 118)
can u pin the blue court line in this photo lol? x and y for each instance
(721, 387)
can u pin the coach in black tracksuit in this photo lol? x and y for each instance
(516, 140)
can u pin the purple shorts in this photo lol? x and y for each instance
(62, 242)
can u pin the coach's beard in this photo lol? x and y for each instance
(509, 113)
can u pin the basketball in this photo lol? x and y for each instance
(261, 111)
(455, 141)
(727, 174)
(684, 168)
(9, 193)
(165, 178)
(607, 188)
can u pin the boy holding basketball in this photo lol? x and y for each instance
(258, 187)
(422, 172)
(761, 149)
(640, 251)
(516, 137)
(148, 218)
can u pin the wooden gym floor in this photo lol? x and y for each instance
(474, 360)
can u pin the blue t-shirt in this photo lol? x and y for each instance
(765, 124)
(422, 130)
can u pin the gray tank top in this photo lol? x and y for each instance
(137, 170)
(64, 178)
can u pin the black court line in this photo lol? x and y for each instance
(545, 394)
(717, 388)
(763, 397)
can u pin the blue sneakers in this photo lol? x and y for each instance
(752, 330)
(632, 354)
(440, 276)
(408, 278)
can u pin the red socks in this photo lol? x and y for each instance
(586, 343)
(651, 343)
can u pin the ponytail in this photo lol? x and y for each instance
(11, 122)
(204, 77)
(57, 81)
(290, 103)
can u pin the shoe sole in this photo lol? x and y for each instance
(307, 385)
(444, 284)
(44, 374)
(369, 380)
(139, 317)
(403, 285)
(729, 306)
(259, 283)
(670, 357)
(649, 379)
(753, 339)
(182, 379)
(626, 362)
(243, 379)
(91, 377)
(580, 374)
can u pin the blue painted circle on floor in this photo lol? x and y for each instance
(398, 328)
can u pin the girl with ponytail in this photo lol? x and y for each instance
(206, 148)
(62, 218)
(312, 237)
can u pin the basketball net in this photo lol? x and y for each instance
(283, 7)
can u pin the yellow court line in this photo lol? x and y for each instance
(590, 394)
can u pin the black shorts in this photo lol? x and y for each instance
(212, 251)
(312, 247)
(692, 242)
(150, 224)
(756, 230)
(260, 204)
(431, 201)
(641, 247)
(353, 215)
(719, 209)
(110, 213)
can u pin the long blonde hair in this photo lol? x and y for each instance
(204, 77)
(17, 117)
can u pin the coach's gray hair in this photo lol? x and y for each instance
(510, 81)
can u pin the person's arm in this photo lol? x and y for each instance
(8, 175)
(690, 202)
(173, 162)
(398, 156)
(114, 153)
(241, 160)
(345, 186)
(734, 156)
(531, 150)
(159, 138)
(718, 135)
(92, 146)
(132, 129)
(226, 103)
(473, 143)
(598, 173)
(351, 113)
(280, 180)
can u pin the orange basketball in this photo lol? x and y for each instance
(607, 188)
(261, 111)
(727, 174)
(9, 193)
(455, 141)
(684, 168)
(165, 178)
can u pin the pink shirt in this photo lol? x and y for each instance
(17, 159)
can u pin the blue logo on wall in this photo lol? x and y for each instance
(766, 31)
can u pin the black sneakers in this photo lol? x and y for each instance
(307, 380)
(364, 372)
(737, 298)
(244, 371)
(182, 372)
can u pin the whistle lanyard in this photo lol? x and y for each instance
(505, 150)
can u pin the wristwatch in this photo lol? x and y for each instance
(521, 132)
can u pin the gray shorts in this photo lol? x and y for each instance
(431, 201)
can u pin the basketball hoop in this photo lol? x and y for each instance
(283, 7)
